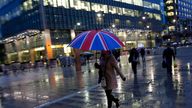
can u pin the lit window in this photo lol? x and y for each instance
(128, 1)
(128, 22)
(113, 9)
(54, 3)
(147, 4)
(80, 5)
(169, 1)
(170, 7)
(99, 7)
(128, 12)
(138, 2)
(170, 14)
(117, 0)
(157, 16)
(117, 21)
(155, 6)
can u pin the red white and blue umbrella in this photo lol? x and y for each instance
(96, 40)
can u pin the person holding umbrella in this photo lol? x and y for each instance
(103, 41)
(109, 67)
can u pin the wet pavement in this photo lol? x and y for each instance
(65, 88)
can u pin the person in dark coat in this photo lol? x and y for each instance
(142, 52)
(133, 59)
(168, 54)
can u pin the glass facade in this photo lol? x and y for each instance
(185, 8)
(57, 12)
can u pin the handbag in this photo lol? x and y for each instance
(164, 64)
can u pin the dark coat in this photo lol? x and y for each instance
(134, 55)
(100, 72)
(168, 54)
(142, 51)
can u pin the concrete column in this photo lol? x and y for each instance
(32, 55)
(47, 43)
(77, 54)
(17, 46)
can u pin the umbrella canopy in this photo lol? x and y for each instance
(96, 40)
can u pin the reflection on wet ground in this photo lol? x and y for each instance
(64, 87)
(41, 85)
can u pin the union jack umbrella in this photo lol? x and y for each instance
(96, 40)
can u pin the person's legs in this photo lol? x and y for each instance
(143, 61)
(109, 101)
(134, 67)
(169, 68)
(111, 98)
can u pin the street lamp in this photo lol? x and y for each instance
(174, 20)
(78, 24)
(99, 15)
(185, 28)
(145, 26)
(143, 18)
(113, 25)
(148, 26)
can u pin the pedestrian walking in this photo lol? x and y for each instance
(142, 52)
(168, 55)
(109, 67)
(134, 59)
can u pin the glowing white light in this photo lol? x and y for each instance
(78, 24)
(150, 88)
(113, 25)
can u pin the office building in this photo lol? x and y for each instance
(36, 29)
(179, 15)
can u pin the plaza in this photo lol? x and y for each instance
(65, 88)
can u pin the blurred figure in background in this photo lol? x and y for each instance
(142, 52)
(168, 54)
(134, 59)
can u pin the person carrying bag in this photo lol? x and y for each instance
(109, 66)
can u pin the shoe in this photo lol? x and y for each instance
(117, 102)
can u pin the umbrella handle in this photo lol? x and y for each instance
(96, 57)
